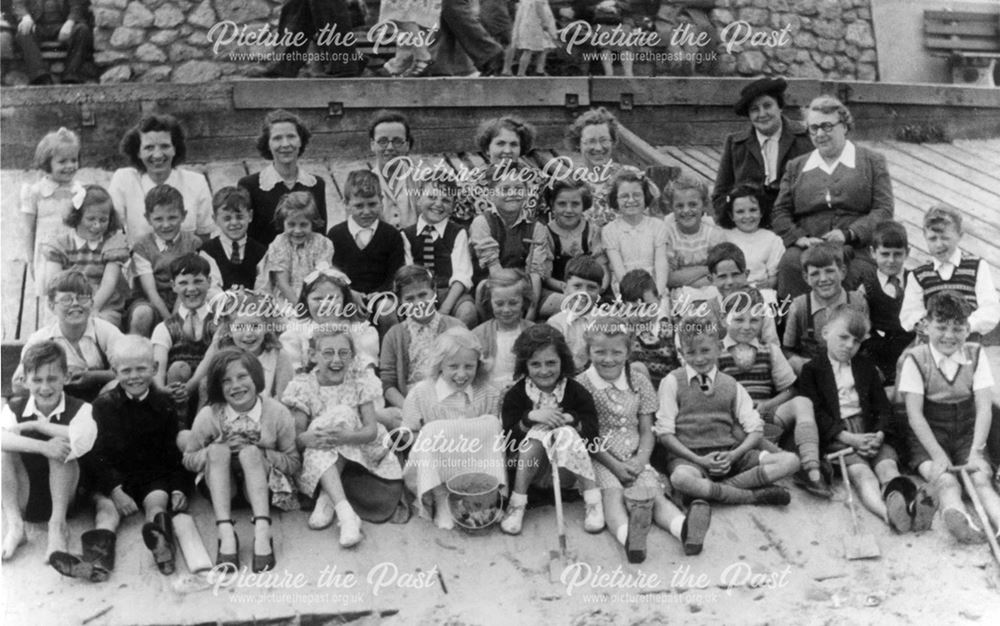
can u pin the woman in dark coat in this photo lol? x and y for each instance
(743, 161)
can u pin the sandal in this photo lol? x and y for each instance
(263, 562)
(227, 559)
(419, 69)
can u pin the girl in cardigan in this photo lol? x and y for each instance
(96, 246)
(508, 295)
(407, 346)
(242, 437)
(625, 403)
(326, 300)
(455, 404)
(335, 418)
(297, 251)
(549, 418)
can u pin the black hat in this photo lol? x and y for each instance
(763, 87)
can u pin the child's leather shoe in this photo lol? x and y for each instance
(696, 523)
(772, 495)
(514, 518)
(961, 527)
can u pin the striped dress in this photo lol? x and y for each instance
(457, 435)
(65, 250)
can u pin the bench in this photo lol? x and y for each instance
(971, 39)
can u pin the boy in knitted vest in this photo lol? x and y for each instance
(710, 429)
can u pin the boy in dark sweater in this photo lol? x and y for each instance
(366, 248)
(235, 254)
(135, 463)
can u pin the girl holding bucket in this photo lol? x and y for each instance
(454, 413)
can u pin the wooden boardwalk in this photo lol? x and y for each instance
(965, 174)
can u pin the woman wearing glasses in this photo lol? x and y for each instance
(391, 142)
(87, 340)
(760, 153)
(594, 136)
(283, 138)
(836, 193)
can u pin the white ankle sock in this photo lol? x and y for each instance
(518, 499)
(592, 496)
(676, 525)
(622, 534)
(344, 511)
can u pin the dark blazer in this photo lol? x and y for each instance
(742, 161)
(819, 385)
(577, 401)
(859, 199)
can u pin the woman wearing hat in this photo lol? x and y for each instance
(837, 193)
(760, 153)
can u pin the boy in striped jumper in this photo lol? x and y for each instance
(950, 270)
(766, 375)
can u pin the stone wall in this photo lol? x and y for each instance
(829, 38)
(168, 40)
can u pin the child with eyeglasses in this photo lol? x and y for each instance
(86, 339)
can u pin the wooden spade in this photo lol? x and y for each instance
(859, 545)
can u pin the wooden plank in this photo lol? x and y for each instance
(706, 158)
(476, 159)
(969, 175)
(966, 160)
(426, 93)
(32, 313)
(690, 165)
(971, 29)
(14, 236)
(224, 174)
(978, 45)
(958, 191)
(255, 165)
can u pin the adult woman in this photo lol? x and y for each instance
(593, 136)
(283, 138)
(155, 147)
(838, 193)
(501, 138)
(760, 153)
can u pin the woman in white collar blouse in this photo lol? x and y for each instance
(155, 147)
(283, 138)
(836, 193)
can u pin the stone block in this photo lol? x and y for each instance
(137, 16)
(750, 63)
(149, 53)
(203, 16)
(168, 16)
(107, 18)
(125, 37)
(117, 74)
(197, 72)
(860, 34)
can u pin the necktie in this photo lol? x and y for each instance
(363, 238)
(235, 258)
(897, 288)
(703, 383)
(428, 251)
(190, 325)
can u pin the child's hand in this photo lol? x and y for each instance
(978, 462)
(178, 501)
(178, 391)
(633, 467)
(623, 473)
(938, 467)
(56, 448)
(547, 417)
(123, 502)
(721, 464)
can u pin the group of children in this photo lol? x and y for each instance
(277, 375)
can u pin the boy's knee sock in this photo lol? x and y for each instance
(807, 441)
(750, 479)
(727, 493)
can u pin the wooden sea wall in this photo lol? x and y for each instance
(222, 119)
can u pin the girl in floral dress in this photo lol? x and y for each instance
(335, 417)
(626, 403)
(297, 251)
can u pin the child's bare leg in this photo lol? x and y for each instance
(798, 413)
(106, 516)
(988, 496)
(508, 60)
(14, 499)
(667, 516)
(540, 62)
(615, 515)
(442, 509)
(530, 459)
(154, 503)
(868, 488)
(220, 486)
(625, 56)
(331, 484)
(253, 462)
(63, 479)
(141, 320)
(466, 313)
(333, 487)
(948, 493)
(523, 63)
(608, 62)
